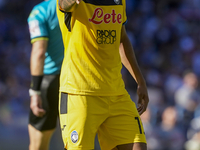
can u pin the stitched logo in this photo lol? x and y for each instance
(74, 136)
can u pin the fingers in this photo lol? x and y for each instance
(143, 98)
(39, 112)
(142, 104)
(141, 108)
(36, 106)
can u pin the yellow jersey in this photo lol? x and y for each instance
(91, 36)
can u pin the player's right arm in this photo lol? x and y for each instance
(68, 5)
(36, 65)
(129, 61)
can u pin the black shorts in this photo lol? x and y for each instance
(50, 98)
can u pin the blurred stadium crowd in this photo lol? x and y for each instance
(166, 38)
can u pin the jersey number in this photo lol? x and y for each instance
(136, 118)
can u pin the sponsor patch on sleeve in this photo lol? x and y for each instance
(34, 28)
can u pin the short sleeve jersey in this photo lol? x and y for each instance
(91, 35)
(43, 25)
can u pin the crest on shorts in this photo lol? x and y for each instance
(117, 2)
(74, 136)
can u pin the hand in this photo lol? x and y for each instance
(143, 99)
(36, 106)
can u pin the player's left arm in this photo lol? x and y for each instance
(129, 61)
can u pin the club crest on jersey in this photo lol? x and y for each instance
(117, 2)
(74, 136)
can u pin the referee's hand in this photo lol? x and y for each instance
(36, 106)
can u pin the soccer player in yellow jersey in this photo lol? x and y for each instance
(93, 98)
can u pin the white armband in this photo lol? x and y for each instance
(33, 92)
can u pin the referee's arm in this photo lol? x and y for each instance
(37, 57)
(36, 67)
